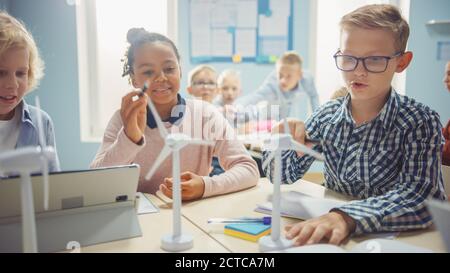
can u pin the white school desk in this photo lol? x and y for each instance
(243, 203)
(153, 227)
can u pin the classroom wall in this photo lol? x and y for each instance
(4, 5)
(425, 74)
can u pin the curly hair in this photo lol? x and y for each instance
(136, 37)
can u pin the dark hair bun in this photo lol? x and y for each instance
(135, 34)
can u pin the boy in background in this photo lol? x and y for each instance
(288, 81)
(229, 82)
(202, 83)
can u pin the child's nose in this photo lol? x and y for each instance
(360, 70)
(161, 77)
(11, 81)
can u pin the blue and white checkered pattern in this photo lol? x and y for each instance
(392, 163)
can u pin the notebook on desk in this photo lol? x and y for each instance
(248, 231)
(86, 206)
(300, 206)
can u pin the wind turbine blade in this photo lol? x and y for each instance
(45, 177)
(201, 142)
(40, 125)
(159, 123)
(302, 148)
(161, 157)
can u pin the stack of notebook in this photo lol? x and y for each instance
(247, 231)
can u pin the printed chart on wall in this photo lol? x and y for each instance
(239, 30)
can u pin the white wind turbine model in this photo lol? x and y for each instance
(25, 161)
(277, 143)
(174, 142)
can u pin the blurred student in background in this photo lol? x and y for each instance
(202, 83)
(289, 82)
(229, 83)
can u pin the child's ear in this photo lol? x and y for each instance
(404, 61)
(189, 89)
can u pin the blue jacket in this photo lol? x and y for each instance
(270, 91)
(28, 135)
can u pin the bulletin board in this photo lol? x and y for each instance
(239, 30)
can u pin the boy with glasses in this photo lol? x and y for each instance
(380, 147)
(203, 83)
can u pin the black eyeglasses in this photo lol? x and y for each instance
(373, 64)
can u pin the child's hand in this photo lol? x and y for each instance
(134, 115)
(192, 186)
(296, 129)
(334, 226)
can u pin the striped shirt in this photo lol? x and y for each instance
(392, 164)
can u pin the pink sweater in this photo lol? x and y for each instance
(201, 120)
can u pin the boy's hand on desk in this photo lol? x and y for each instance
(134, 115)
(192, 186)
(334, 226)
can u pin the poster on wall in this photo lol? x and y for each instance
(239, 30)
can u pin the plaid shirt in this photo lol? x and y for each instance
(392, 163)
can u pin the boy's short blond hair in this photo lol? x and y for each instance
(228, 73)
(290, 58)
(13, 34)
(200, 68)
(383, 16)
